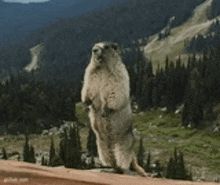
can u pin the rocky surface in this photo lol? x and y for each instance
(14, 172)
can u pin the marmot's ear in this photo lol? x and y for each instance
(115, 46)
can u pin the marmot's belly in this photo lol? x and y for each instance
(117, 124)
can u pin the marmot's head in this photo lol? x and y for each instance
(105, 52)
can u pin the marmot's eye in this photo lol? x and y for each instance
(94, 50)
(107, 47)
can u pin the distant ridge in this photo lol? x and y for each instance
(67, 43)
(174, 45)
(20, 20)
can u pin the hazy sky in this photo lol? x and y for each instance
(25, 1)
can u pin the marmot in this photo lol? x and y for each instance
(106, 93)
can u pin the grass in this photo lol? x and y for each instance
(161, 133)
(164, 132)
(40, 143)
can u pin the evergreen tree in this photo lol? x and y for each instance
(5, 156)
(56, 160)
(32, 155)
(26, 150)
(176, 167)
(155, 91)
(170, 169)
(167, 64)
(181, 172)
(158, 169)
(140, 154)
(70, 108)
(70, 148)
(52, 152)
(193, 108)
(175, 155)
(92, 163)
(145, 99)
(147, 167)
(73, 148)
(62, 150)
(91, 143)
(79, 148)
(42, 160)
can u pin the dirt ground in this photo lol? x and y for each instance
(15, 172)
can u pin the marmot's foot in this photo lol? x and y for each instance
(107, 170)
(88, 102)
(119, 170)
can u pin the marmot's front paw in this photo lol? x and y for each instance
(86, 105)
(106, 112)
(88, 102)
(86, 108)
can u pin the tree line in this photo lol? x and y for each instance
(193, 84)
(26, 102)
(29, 106)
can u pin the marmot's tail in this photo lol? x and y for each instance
(138, 168)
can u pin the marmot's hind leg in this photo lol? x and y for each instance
(105, 155)
(138, 168)
(125, 158)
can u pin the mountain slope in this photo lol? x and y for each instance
(174, 44)
(20, 20)
(67, 43)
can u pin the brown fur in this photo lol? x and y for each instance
(106, 93)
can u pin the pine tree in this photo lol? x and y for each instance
(77, 146)
(181, 172)
(147, 167)
(92, 164)
(170, 169)
(140, 155)
(62, 150)
(52, 152)
(176, 167)
(26, 150)
(5, 156)
(145, 99)
(91, 143)
(155, 91)
(175, 155)
(78, 138)
(166, 63)
(158, 169)
(32, 155)
(71, 145)
(42, 160)
(56, 160)
(193, 108)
